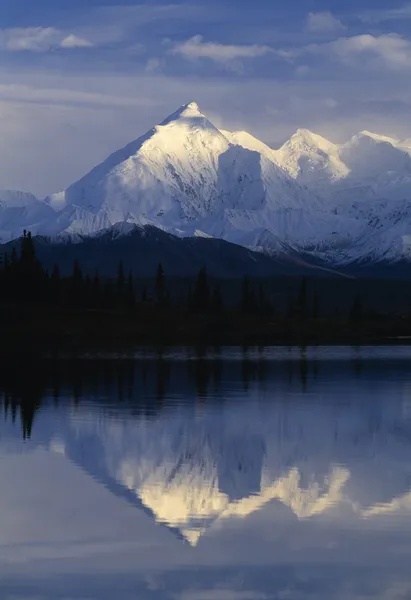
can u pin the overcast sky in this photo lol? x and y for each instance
(79, 79)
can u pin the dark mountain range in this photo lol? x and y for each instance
(141, 249)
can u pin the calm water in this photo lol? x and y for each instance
(232, 475)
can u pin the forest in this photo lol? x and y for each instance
(81, 308)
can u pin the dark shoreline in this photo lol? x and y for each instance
(48, 331)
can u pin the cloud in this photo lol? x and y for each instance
(323, 22)
(39, 39)
(73, 41)
(390, 14)
(389, 50)
(195, 49)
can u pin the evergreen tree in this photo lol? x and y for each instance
(315, 313)
(13, 277)
(28, 259)
(96, 290)
(248, 299)
(217, 301)
(262, 302)
(201, 294)
(190, 299)
(108, 300)
(357, 311)
(302, 300)
(120, 280)
(160, 284)
(88, 292)
(77, 275)
(77, 285)
(55, 283)
(14, 258)
(130, 295)
(30, 279)
(245, 299)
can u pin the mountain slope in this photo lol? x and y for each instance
(21, 210)
(338, 204)
(181, 176)
(142, 248)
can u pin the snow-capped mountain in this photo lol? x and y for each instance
(21, 210)
(368, 166)
(186, 177)
(192, 469)
(338, 203)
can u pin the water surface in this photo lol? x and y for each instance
(227, 474)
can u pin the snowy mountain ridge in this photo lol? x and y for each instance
(338, 203)
(191, 471)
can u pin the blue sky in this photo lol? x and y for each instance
(80, 79)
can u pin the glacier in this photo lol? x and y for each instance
(335, 203)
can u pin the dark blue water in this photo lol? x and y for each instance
(231, 475)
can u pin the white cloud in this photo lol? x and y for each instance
(33, 39)
(391, 50)
(39, 39)
(323, 22)
(388, 50)
(73, 41)
(196, 48)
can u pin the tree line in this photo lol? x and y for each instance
(24, 281)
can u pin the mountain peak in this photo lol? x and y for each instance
(192, 106)
(187, 111)
(309, 138)
(376, 137)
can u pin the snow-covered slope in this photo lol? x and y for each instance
(21, 210)
(311, 159)
(365, 184)
(339, 203)
(367, 166)
(183, 176)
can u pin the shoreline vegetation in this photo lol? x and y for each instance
(44, 310)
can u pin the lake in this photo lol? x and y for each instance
(219, 474)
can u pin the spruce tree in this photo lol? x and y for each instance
(201, 294)
(160, 284)
(245, 299)
(87, 299)
(130, 295)
(262, 303)
(217, 302)
(108, 296)
(120, 281)
(315, 313)
(302, 300)
(77, 285)
(357, 311)
(55, 283)
(96, 290)
(14, 259)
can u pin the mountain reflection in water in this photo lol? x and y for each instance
(274, 473)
